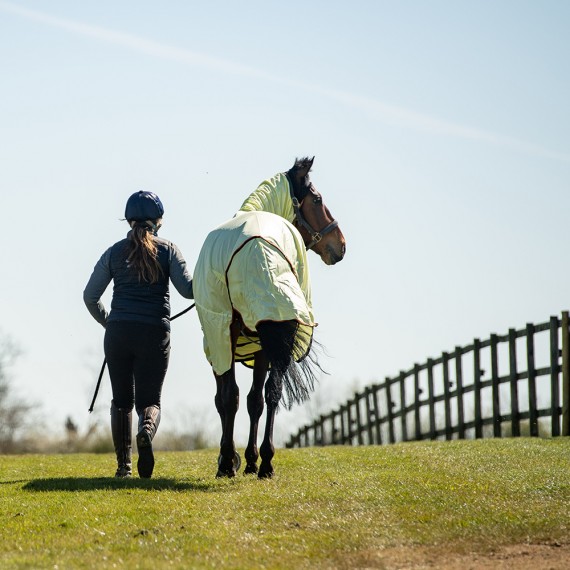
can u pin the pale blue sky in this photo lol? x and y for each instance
(440, 130)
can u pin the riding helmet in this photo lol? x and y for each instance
(143, 205)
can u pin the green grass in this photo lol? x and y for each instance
(324, 506)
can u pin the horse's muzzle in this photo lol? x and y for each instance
(335, 256)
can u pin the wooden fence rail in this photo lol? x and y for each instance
(506, 386)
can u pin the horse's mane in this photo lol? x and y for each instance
(304, 163)
(273, 194)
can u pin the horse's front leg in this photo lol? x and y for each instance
(255, 409)
(227, 404)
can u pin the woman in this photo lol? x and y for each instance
(137, 330)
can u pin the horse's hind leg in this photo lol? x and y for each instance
(255, 409)
(267, 450)
(277, 340)
(227, 404)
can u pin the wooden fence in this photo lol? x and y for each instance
(508, 385)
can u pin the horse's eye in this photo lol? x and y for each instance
(317, 200)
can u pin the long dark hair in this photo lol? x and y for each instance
(142, 255)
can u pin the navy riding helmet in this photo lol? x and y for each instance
(143, 205)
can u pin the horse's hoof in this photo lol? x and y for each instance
(250, 469)
(265, 473)
(236, 464)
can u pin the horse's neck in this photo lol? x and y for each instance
(271, 196)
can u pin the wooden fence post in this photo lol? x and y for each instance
(403, 417)
(497, 431)
(322, 436)
(554, 378)
(477, 388)
(417, 402)
(431, 402)
(460, 404)
(532, 404)
(446, 396)
(305, 434)
(513, 374)
(369, 415)
(343, 430)
(349, 420)
(390, 411)
(565, 375)
(359, 426)
(377, 416)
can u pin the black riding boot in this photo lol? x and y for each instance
(122, 431)
(149, 418)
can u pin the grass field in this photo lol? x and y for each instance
(325, 508)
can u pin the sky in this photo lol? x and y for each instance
(440, 132)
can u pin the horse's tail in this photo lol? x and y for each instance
(293, 355)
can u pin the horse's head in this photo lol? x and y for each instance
(318, 228)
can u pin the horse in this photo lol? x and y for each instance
(253, 298)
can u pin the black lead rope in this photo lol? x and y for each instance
(183, 312)
(105, 360)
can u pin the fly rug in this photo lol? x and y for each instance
(253, 296)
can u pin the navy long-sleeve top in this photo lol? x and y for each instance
(137, 300)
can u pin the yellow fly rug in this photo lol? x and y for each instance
(255, 264)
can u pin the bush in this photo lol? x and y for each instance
(13, 410)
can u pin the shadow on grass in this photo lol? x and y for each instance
(112, 484)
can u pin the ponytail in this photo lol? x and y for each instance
(143, 253)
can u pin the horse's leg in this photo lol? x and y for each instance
(277, 340)
(227, 404)
(272, 396)
(255, 409)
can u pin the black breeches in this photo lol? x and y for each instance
(137, 357)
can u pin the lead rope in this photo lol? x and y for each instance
(105, 360)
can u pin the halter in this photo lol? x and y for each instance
(316, 236)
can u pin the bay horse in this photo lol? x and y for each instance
(253, 297)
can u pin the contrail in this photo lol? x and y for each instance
(133, 42)
(390, 114)
(411, 119)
